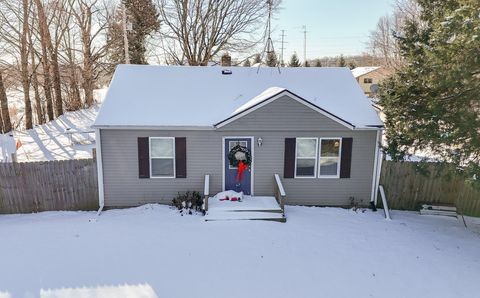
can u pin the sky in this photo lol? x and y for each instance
(334, 27)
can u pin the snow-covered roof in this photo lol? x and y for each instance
(181, 96)
(266, 94)
(360, 71)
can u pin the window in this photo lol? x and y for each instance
(306, 157)
(330, 158)
(162, 157)
(367, 80)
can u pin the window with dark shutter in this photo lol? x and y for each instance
(180, 157)
(346, 159)
(289, 158)
(329, 157)
(143, 158)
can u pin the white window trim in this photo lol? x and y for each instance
(339, 158)
(316, 159)
(150, 157)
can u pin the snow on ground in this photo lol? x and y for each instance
(68, 137)
(151, 251)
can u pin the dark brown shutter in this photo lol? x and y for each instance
(289, 161)
(143, 158)
(180, 157)
(346, 158)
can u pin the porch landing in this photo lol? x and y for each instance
(250, 208)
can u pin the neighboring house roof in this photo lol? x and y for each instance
(181, 96)
(360, 71)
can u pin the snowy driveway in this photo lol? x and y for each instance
(151, 251)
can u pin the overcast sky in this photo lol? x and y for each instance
(334, 27)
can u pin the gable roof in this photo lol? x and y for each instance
(272, 94)
(360, 71)
(183, 96)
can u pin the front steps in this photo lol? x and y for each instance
(238, 215)
(251, 208)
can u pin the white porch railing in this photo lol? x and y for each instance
(280, 194)
(206, 192)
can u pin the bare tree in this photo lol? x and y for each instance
(54, 50)
(14, 19)
(87, 13)
(5, 122)
(46, 41)
(73, 101)
(383, 42)
(197, 30)
(39, 111)
(24, 48)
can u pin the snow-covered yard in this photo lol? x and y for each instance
(151, 251)
(70, 136)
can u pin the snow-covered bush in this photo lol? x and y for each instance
(188, 201)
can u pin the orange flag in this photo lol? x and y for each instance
(18, 145)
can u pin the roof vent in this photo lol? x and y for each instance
(226, 72)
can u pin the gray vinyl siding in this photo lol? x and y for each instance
(284, 114)
(273, 123)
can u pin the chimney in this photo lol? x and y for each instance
(226, 60)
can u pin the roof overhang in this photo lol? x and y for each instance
(153, 127)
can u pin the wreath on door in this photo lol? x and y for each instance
(239, 153)
(239, 157)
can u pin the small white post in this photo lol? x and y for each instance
(98, 150)
(385, 205)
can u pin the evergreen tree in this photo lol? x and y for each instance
(144, 18)
(341, 61)
(318, 63)
(272, 59)
(352, 64)
(306, 64)
(247, 63)
(433, 102)
(294, 62)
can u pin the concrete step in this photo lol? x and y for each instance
(244, 215)
(438, 212)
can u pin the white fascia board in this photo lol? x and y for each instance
(141, 127)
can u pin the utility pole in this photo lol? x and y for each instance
(125, 36)
(282, 63)
(304, 27)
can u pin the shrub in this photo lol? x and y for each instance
(188, 201)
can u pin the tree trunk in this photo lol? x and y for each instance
(38, 100)
(24, 67)
(57, 87)
(47, 83)
(39, 111)
(74, 101)
(6, 124)
(87, 73)
(47, 42)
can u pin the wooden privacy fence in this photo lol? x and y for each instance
(409, 184)
(50, 185)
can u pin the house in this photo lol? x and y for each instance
(369, 77)
(161, 130)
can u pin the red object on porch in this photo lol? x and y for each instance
(241, 168)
